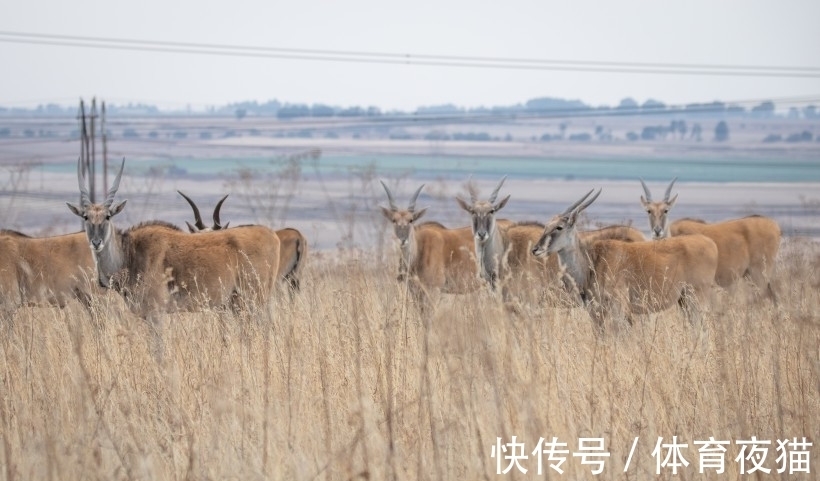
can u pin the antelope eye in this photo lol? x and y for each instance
(648, 211)
(666, 211)
(560, 227)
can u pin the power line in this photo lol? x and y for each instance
(410, 59)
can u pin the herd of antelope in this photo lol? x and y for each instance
(157, 267)
(613, 270)
(154, 265)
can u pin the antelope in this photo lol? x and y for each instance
(490, 242)
(747, 247)
(403, 221)
(546, 271)
(293, 245)
(433, 257)
(658, 212)
(44, 270)
(630, 277)
(155, 263)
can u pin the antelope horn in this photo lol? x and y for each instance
(109, 198)
(577, 203)
(198, 219)
(412, 206)
(497, 188)
(669, 190)
(389, 196)
(85, 199)
(588, 202)
(217, 225)
(472, 190)
(646, 191)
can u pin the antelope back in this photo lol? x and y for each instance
(618, 232)
(209, 268)
(650, 276)
(47, 269)
(745, 246)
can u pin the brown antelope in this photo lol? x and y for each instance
(44, 270)
(293, 245)
(546, 271)
(155, 263)
(747, 247)
(630, 277)
(433, 258)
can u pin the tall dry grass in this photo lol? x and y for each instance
(350, 382)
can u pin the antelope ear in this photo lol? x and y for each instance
(387, 213)
(501, 204)
(417, 215)
(644, 202)
(117, 208)
(191, 229)
(464, 205)
(73, 208)
(672, 202)
(572, 217)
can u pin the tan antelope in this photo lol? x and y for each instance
(154, 265)
(293, 246)
(658, 212)
(630, 277)
(433, 258)
(44, 270)
(505, 251)
(747, 247)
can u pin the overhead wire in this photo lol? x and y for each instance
(408, 59)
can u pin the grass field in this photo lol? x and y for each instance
(350, 382)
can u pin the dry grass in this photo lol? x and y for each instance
(349, 382)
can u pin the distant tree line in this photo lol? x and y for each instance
(537, 106)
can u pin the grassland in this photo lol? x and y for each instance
(351, 382)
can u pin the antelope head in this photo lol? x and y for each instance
(200, 226)
(658, 212)
(560, 232)
(97, 217)
(402, 219)
(483, 211)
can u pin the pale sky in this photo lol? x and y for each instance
(722, 32)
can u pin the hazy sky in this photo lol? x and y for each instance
(728, 32)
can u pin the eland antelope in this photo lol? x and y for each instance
(504, 251)
(44, 270)
(630, 277)
(747, 247)
(433, 258)
(293, 245)
(154, 265)
(490, 242)
(658, 212)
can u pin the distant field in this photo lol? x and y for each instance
(322, 176)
